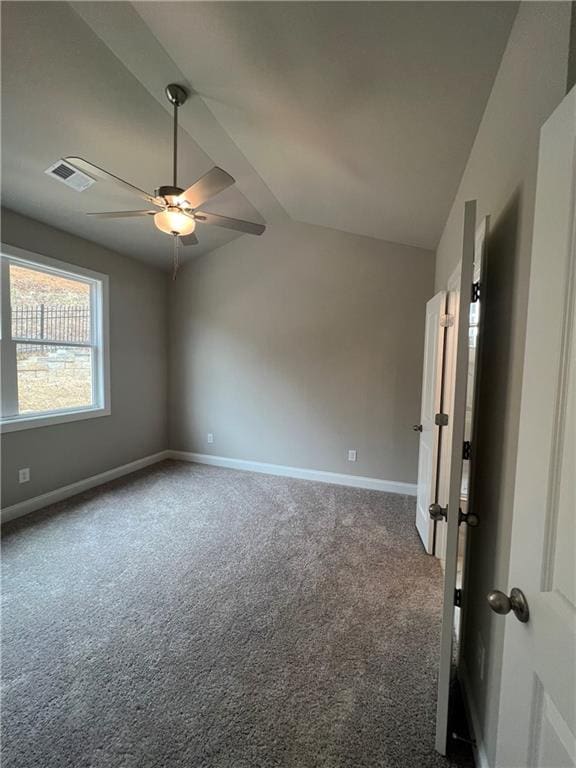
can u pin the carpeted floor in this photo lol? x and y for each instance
(197, 617)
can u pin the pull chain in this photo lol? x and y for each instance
(175, 255)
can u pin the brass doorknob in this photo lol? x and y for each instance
(500, 603)
(417, 427)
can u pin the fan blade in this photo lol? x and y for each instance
(238, 225)
(83, 165)
(189, 239)
(207, 186)
(119, 214)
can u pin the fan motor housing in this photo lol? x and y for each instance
(169, 192)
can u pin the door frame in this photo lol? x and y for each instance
(453, 475)
(448, 388)
(425, 526)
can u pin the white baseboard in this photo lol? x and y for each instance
(37, 502)
(356, 481)
(59, 494)
(481, 758)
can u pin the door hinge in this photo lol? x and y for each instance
(467, 450)
(446, 321)
(441, 419)
(475, 292)
(458, 598)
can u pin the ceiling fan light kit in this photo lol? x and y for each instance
(176, 210)
(174, 222)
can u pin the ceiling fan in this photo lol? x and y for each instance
(176, 210)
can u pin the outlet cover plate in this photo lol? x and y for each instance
(24, 475)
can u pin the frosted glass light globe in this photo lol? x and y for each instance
(173, 221)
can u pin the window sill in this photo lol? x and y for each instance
(49, 419)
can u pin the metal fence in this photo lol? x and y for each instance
(45, 322)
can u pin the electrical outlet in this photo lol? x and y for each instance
(352, 455)
(480, 654)
(210, 437)
(24, 475)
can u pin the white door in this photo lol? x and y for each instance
(431, 405)
(450, 502)
(537, 726)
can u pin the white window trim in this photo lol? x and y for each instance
(101, 321)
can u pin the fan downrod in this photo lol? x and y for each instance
(176, 94)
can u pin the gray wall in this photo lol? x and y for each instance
(571, 79)
(501, 175)
(64, 453)
(293, 347)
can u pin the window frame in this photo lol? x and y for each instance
(99, 342)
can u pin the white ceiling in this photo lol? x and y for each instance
(353, 115)
(65, 93)
(357, 115)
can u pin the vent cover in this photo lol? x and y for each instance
(67, 174)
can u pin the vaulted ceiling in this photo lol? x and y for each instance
(353, 115)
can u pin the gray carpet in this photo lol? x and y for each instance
(202, 617)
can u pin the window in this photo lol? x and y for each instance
(54, 341)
